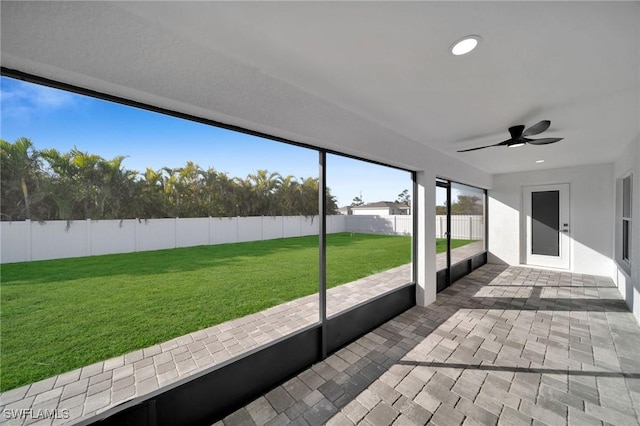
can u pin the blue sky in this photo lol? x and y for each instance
(53, 118)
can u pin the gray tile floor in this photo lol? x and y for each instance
(504, 345)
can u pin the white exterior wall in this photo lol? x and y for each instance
(591, 212)
(629, 284)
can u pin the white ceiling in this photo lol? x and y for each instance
(574, 63)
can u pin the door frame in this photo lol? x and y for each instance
(563, 261)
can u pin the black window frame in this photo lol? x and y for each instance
(322, 152)
(626, 218)
(453, 272)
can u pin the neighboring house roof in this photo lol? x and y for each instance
(379, 204)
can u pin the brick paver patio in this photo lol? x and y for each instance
(459, 254)
(509, 344)
(93, 389)
(504, 345)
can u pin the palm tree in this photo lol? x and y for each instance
(244, 200)
(183, 190)
(287, 195)
(265, 184)
(332, 202)
(309, 190)
(60, 187)
(85, 185)
(79, 185)
(151, 192)
(219, 193)
(75, 188)
(117, 195)
(21, 162)
(88, 182)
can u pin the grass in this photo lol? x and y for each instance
(59, 315)
(441, 244)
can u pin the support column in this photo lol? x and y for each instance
(425, 202)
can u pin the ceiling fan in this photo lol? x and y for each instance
(519, 136)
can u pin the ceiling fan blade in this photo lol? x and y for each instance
(474, 149)
(537, 128)
(544, 141)
(487, 146)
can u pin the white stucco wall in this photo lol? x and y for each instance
(592, 206)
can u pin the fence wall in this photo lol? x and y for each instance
(25, 241)
(464, 227)
(378, 224)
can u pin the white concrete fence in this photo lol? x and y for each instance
(378, 224)
(27, 240)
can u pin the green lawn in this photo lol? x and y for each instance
(59, 315)
(441, 244)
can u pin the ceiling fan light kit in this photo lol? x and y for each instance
(465, 45)
(519, 136)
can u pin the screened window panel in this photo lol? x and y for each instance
(626, 197)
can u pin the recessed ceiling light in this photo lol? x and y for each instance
(465, 45)
(516, 145)
(539, 161)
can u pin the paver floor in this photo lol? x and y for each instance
(459, 254)
(84, 392)
(571, 335)
(504, 345)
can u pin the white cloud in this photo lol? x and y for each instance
(22, 100)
